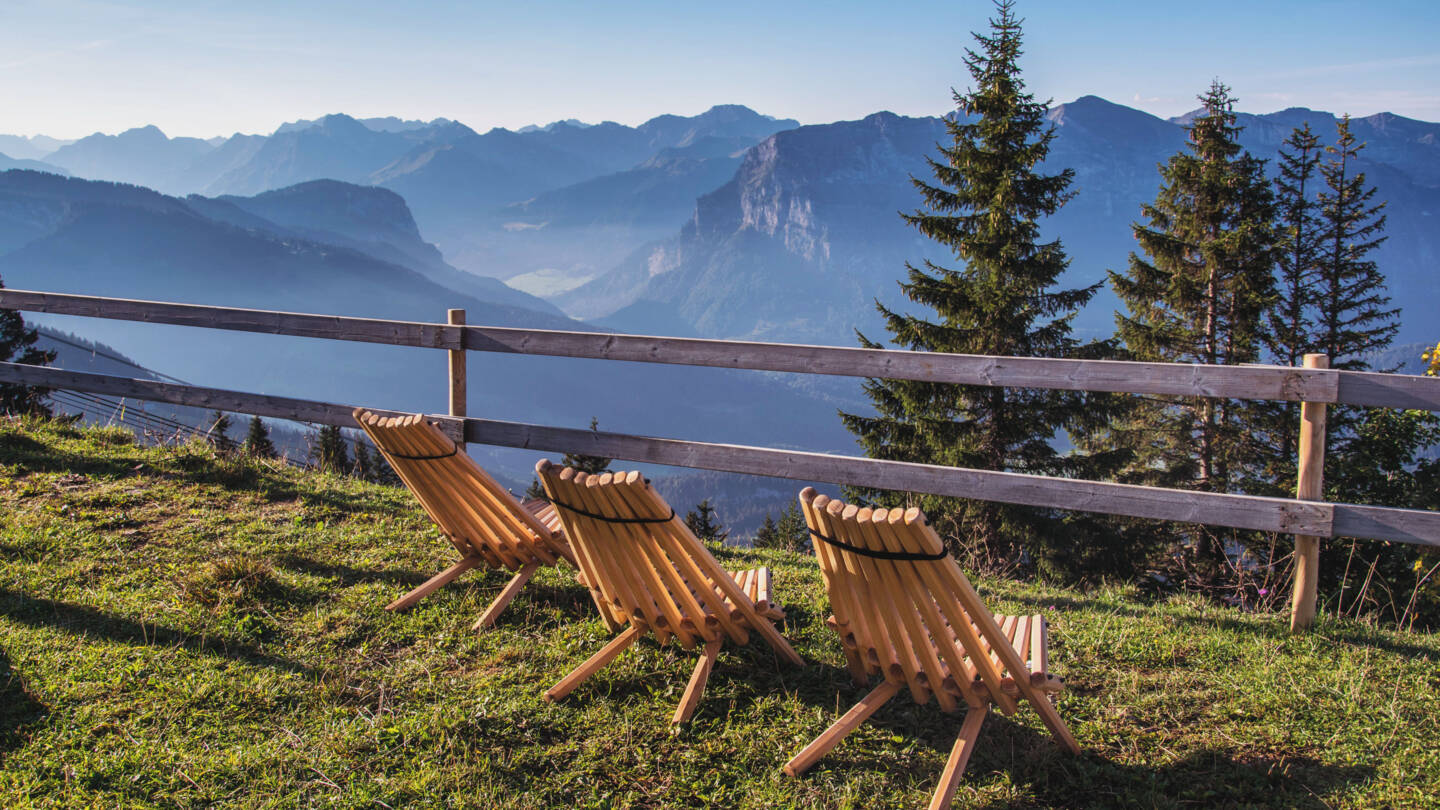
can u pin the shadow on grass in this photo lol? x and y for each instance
(573, 601)
(348, 575)
(1055, 778)
(37, 612)
(18, 710)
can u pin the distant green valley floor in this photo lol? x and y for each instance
(177, 630)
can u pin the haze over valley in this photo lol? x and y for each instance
(725, 224)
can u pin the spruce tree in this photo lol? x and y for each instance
(257, 439)
(766, 536)
(1291, 319)
(789, 533)
(1373, 455)
(330, 454)
(17, 345)
(594, 465)
(792, 530)
(704, 523)
(1199, 295)
(985, 206)
(1298, 242)
(1355, 316)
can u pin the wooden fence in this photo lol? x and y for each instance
(1306, 517)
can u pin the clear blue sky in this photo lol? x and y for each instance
(72, 67)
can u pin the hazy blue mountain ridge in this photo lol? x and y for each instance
(142, 156)
(806, 236)
(457, 189)
(99, 238)
(33, 147)
(7, 162)
(373, 220)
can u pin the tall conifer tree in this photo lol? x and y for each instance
(1291, 320)
(1374, 455)
(985, 205)
(1199, 295)
(1297, 256)
(1355, 316)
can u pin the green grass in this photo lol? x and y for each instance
(180, 630)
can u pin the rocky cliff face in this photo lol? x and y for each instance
(805, 236)
(790, 243)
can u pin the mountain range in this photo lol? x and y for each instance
(806, 235)
(455, 179)
(735, 224)
(343, 249)
(727, 224)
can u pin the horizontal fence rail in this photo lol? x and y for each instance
(1239, 382)
(1238, 511)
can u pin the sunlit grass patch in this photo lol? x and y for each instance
(178, 629)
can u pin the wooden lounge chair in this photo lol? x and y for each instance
(905, 611)
(645, 568)
(486, 524)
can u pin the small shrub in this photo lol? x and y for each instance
(233, 580)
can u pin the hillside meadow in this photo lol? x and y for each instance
(183, 630)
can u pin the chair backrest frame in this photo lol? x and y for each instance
(476, 514)
(893, 608)
(649, 568)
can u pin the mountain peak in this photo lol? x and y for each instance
(147, 132)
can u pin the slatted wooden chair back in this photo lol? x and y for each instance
(477, 514)
(904, 610)
(645, 568)
(484, 522)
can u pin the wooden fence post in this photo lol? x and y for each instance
(1308, 487)
(457, 371)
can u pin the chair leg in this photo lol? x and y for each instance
(698, 678)
(769, 633)
(959, 757)
(593, 664)
(435, 582)
(858, 675)
(1052, 720)
(506, 595)
(838, 730)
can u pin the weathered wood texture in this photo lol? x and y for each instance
(1309, 486)
(300, 410)
(458, 382)
(1408, 391)
(1242, 382)
(333, 327)
(1240, 511)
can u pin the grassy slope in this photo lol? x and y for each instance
(181, 631)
